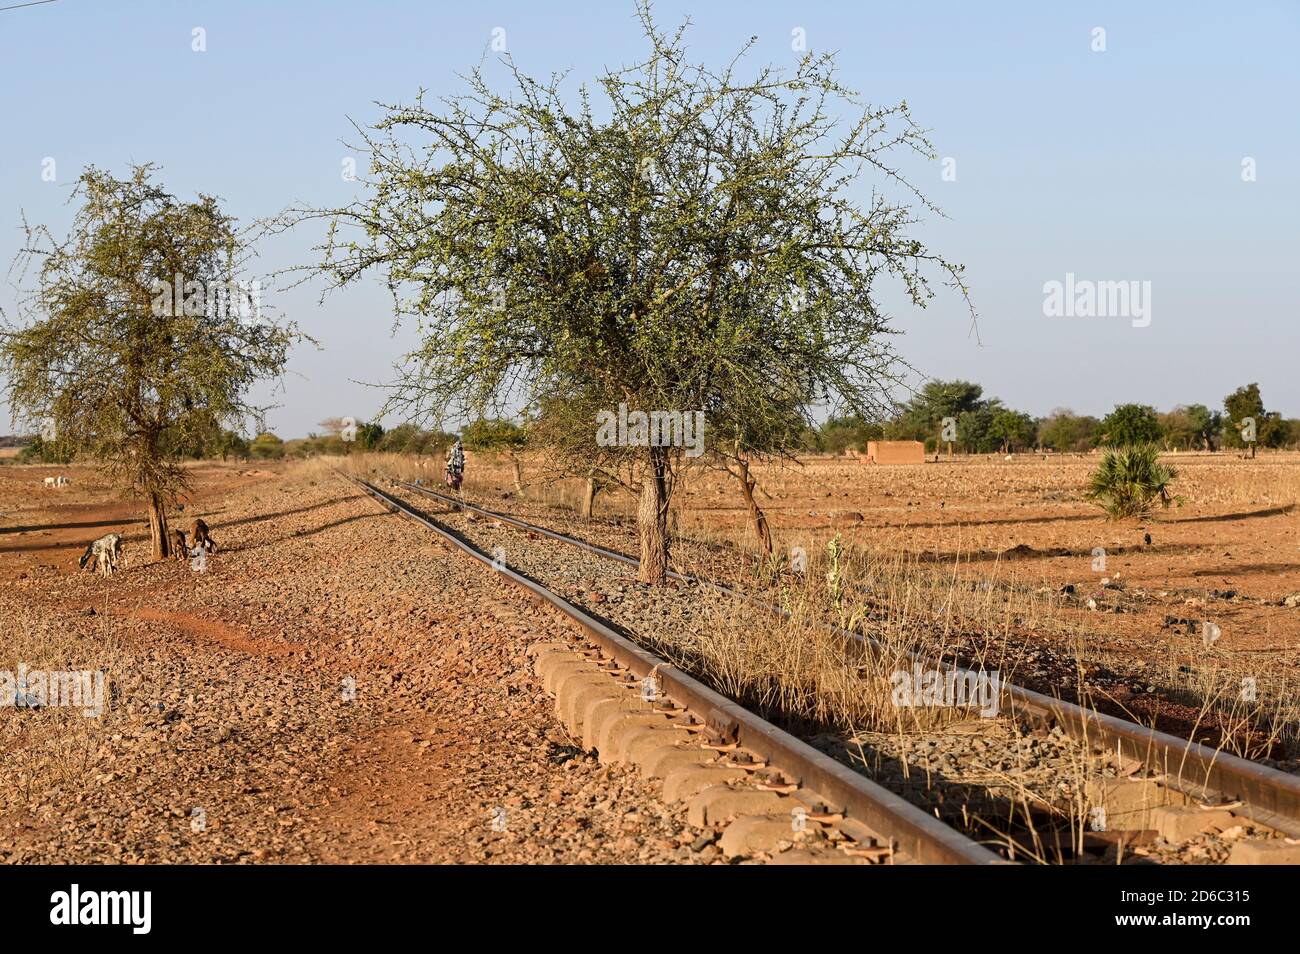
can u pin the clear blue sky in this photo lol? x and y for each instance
(1115, 165)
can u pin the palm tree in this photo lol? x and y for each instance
(1130, 480)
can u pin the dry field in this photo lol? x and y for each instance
(1010, 552)
(1237, 527)
(224, 685)
(991, 563)
(319, 693)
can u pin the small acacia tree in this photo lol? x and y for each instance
(231, 443)
(1249, 423)
(133, 344)
(560, 424)
(1064, 431)
(498, 434)
(1012, 429)
(693, 243)
(735, 447)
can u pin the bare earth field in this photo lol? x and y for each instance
(1236, 531)
(228, 736)
(1227, 555)
(1238, 528)
(230, 733)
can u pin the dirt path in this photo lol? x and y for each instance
(334, 687)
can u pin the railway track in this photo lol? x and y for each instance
(1183, 784)
(737, 770)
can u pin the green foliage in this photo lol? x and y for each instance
(196, 441)
(1065, 431)
(408, 438)
(231, 444)
(130, 381)
(1191, 427)
(694, 241)
(1240, 404)
(494, 434)
(921, 417)
(1271, 429)
(984, 425)
(1130, 424)
(840, 433)
(315, 444)
(1012, 429)
(266, 446)
(41, 451)
(975, 429)
(1130, 480)
(369, 435)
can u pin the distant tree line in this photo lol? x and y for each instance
(982, 426)
(337, 438)
(986, 425)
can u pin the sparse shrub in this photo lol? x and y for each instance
(266, 446)
(1130, 480)
(770, 568)
(43, 452)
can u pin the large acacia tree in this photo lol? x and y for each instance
(677, 238)
(126, 375)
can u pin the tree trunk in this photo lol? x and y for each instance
(519, 476)
(589, 498)
(158, 527)
(756, 516)
(652, 519)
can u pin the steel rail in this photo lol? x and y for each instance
(917, 834)
(1269, 796)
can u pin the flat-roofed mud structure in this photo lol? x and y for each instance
(895, 452)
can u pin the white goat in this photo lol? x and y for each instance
(107, 551)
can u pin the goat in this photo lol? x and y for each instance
(107, 550)
(49, 482)
(199, 536)
(179, 549)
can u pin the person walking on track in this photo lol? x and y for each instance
(455, 465)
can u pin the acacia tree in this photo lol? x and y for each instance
(1245, 404)
(1130, 424)
(693, 242)
(1012, 429)
(1205, 424)
(921, 418)
(560, 423)
(736, 445)
(138, 338)
(1190, 426)
(494, 434)
(1064, 430)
